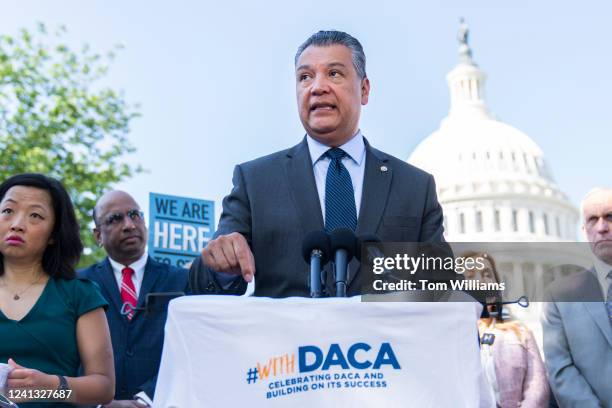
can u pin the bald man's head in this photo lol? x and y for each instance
(120, 227)
(106, 197)
(597, 222)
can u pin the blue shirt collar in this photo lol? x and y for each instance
(354, 148)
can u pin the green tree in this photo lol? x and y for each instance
(56, 118)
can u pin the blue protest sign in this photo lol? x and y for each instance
(179, 227)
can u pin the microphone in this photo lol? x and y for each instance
(343, 243)
(316, 250)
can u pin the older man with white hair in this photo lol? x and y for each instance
(577, 320)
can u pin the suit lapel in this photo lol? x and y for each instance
(597, 310)
(303, 188)
(375, 192)
(107, 280)
(374, 195)
(152, 273)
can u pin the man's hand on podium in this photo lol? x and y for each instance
(230, 254)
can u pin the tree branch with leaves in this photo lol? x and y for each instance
(57, 118)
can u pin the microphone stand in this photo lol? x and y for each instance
(315, 251)
(343, 243)
(316, 287)
(341, 275)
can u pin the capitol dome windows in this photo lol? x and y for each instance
(526, 162)
(497, 220)
(531, 222)
(478, 221)
(490, 218)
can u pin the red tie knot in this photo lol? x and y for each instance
(127, 272)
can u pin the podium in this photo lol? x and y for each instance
(226, 351)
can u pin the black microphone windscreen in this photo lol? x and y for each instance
(316, 240)
(343, 238)
(364, 240)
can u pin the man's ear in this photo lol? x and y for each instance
(96, 234)
(365, 91)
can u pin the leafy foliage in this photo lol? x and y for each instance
(57, 119)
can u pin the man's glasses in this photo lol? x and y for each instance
(117, 218)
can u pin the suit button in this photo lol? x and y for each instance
(210, 287)
(129, 353)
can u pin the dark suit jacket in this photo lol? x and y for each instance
(137, 344)
(274, 204)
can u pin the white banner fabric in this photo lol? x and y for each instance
(226, 351)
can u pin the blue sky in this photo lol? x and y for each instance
(216, 83)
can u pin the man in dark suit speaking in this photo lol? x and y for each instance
(333, 178)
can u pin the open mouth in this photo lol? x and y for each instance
(322, 107)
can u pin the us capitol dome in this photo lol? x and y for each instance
(492, 180)
(495, 185)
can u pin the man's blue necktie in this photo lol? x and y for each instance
(340, 208)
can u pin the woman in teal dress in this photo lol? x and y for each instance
(50, 322)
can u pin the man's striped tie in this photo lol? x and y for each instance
(340, 208)
(128, 291)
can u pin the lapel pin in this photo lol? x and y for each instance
(383, 168)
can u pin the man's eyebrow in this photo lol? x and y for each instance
(302, 67)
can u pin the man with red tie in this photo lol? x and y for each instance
(125, 278)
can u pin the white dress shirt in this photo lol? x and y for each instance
(138, 267)
(354, 163)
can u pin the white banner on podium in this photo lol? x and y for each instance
(225, 351)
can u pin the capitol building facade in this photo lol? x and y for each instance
(495, 186)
